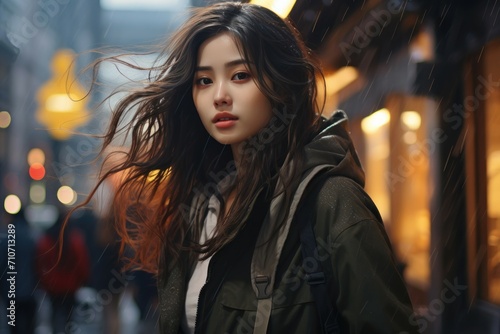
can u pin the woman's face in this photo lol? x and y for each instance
(229, 103)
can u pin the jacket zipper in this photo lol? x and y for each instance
(202, 294)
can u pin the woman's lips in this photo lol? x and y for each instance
(225, 123)
(224, 120)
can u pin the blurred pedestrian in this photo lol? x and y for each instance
(108, 266)
(62, 272)
(87, 221)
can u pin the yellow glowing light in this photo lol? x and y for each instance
(59, 102)
(60, 99)
(411, 119)
(280, 7)
(5, 119)
(340, 79)
(372, 123)
(493, 172)
(153, 175)
(36, 155)
(66, 195)
(12, 204)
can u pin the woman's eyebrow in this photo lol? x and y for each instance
(228, 64)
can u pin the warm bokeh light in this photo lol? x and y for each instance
(12, 204)
(37, 171)
(377, 154)
(376, 120)
(411, 119)
(493, 172)
(410, 137)
(36, 155)
(60, 102)
(5, 119)
(153, 175)
(66, 195)
(280, 7)
(340, 79)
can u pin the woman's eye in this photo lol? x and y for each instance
(203, 81)
(241, 76)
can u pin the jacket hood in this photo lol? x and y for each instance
(330, 151)
(333, 146)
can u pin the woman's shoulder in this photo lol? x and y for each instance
(338, 203)
(332, 190)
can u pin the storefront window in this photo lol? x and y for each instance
(483, 172)
(492, 123)
(398, 179)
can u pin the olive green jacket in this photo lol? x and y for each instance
(362, 278)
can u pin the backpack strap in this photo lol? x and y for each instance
(268, 249)
(317, 280)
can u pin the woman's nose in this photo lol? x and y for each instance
(222, 96)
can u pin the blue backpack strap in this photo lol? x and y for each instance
(317, 281)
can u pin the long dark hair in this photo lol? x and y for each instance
(172, 157)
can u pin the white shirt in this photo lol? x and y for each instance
(199, 276)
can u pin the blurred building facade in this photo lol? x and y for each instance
(37, 30)
(420, 81)
(31, 34)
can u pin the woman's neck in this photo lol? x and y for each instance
(237, 150)
(229, 199)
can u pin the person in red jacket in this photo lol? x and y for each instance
(61, 272)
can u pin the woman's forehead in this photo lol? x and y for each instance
(222, 43)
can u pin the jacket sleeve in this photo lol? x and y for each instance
(372, 297)
(368, 291)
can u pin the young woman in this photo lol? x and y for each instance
(246, 202)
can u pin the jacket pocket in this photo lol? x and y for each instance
(293, 310)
